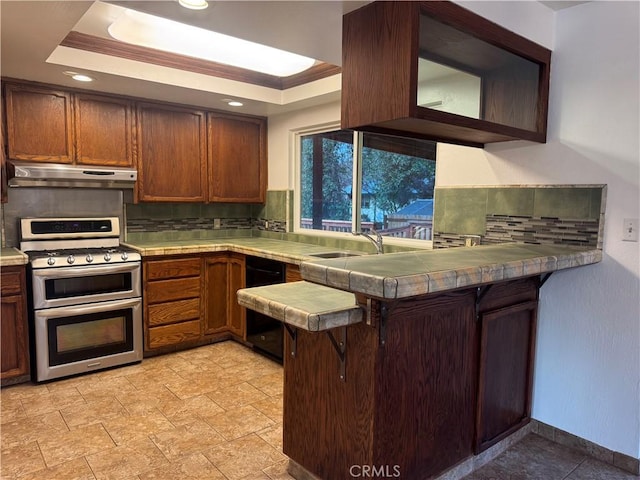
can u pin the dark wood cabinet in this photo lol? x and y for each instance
(435, 70)
(14, 335)
(39, 123)
(172, 155)
(237, 158)
(172, 301)
(422, 385)
(224, 276)
(507, 318)
(104, 129)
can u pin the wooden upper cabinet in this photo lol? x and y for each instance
(436, 70)
(172, 155)
(237, 158)
(104, 130)
(39, 124)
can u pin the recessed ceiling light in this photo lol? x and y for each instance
(149, 31)
(79, 76)
(234, 103)
(194, 4)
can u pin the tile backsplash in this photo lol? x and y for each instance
(538, 214)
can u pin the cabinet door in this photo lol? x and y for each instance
(237, 280)
(172, 161)
(216, 297)
(14, 339)
(39, 124)
(237, 158)
(506, 371)
(104, 131)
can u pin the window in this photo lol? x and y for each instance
(355, 181)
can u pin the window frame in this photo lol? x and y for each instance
(356, 198)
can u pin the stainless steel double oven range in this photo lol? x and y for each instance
(85, 296)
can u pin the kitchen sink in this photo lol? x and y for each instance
(336, 254)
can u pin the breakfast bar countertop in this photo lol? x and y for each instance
(396, 275)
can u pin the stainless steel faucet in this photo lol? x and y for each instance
(377, 241)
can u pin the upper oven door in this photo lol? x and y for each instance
(57, 287)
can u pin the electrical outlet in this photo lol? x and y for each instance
(266, 224)
(216, 224)
(630, 230)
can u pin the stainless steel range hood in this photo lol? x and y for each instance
(24, 174)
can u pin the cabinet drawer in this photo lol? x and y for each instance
(11, 282)
(173, 334)
(173, 312)
(168, 290)
(166, 269)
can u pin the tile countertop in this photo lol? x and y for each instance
(280, 250)
(12, 256)
(397, 275)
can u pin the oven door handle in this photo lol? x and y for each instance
(68, 272)
(91, 308)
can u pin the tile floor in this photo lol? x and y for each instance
(214, 412)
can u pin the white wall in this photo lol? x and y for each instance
(281, 174)
(587, 372)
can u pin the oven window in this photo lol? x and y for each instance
(87, 285)
(82, 337)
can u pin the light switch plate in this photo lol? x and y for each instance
(630, 230)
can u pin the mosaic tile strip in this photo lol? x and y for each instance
(530, 230)
(185, 224)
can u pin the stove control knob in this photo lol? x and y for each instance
(89, 258)
(124, 256)
(71, 259)
(51, 261)
(107, 257)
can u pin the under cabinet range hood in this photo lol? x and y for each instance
(23, 174)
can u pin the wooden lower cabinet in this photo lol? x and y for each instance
(292, 273)
(224, 276)
(191, 300)
(14, 335)
(507, 318)
(427, 382)
(172, 301)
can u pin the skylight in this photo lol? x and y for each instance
(162, 34)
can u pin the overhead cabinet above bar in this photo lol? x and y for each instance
(435, 70)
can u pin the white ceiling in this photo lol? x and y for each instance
(32, 30)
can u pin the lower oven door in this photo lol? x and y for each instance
(56, 287)
(83, 338)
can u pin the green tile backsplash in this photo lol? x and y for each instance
(577, 209)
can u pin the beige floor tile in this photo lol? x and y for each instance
(98, 411)
(136, 426)
(150, 379)
(77, 469)
(279, 471)
(198, 383)
(271, 407)
(40, 404)
(272, 435)
(151, 398)
(235, 396)
(20, 460)
(186, 439)
(32, 428)
(74, 444)
(192, 467)
(127, 461)
(271, 384)
(23, 391)
(238, 422)
(244, 456)
(11, 409)
(180, 412)
(98, 388)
